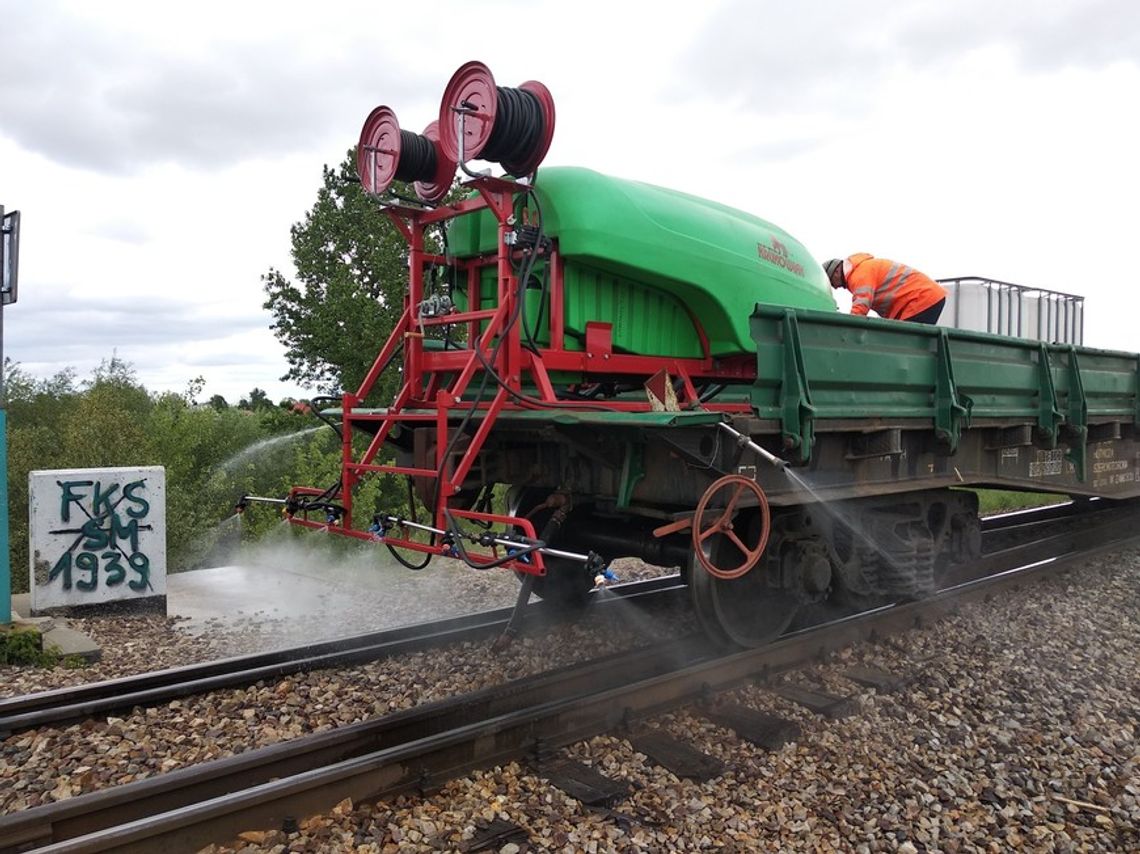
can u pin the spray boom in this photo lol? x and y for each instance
(745, 442)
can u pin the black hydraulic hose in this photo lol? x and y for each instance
(315, 404)
(513, 554)
(416, 567)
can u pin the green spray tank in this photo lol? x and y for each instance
(649, 260)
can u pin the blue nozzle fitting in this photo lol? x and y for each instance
(606, 576)
(377, 529)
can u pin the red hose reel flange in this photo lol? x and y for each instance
(546, 105)
(437, 187)
(378, 152)
(471, 88)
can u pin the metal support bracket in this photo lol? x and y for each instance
(632, 471)
(1049, 414)
(797, 415)
(1076, 427)
(951, 409)
(1136, 398)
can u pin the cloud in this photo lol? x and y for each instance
(63, 330)
(831, 56)
(1044, 36)
(122, 230)
(90, 94)
(229, 357)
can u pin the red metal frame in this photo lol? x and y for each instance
(424, 397)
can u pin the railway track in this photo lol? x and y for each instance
(67, 705)
(420, 748)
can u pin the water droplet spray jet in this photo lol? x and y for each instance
(782, 465)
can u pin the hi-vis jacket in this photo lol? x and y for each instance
(891, 289)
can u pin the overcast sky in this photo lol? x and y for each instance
(160, 152)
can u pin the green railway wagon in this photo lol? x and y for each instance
(652, 374)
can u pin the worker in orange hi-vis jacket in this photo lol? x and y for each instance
(893, 290)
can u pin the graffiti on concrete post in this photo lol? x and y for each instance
(97, 535)
(105, 537)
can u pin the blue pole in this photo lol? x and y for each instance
(9, 262)
(5, 565)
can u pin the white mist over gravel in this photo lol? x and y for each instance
(296, 586)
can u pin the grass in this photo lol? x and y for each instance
(992, 501)
(22, 646)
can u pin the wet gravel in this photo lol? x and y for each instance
(54, 763)
(1018, 731)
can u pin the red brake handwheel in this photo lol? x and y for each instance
(720, 522)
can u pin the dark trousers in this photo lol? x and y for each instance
(928, 315)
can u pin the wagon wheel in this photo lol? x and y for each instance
(744, 604)
(709, 522)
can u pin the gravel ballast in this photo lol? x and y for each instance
(1018, 731)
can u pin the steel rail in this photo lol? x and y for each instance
(504, 735)
(188, 785)
(65, 705)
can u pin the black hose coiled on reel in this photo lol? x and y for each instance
(519, 125)
(417, 158)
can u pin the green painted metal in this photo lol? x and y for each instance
(882, 371)
(632, 471)
(1136, 423)
(1077, 416)
(700, 257)
(795, 395)
(951, 409)
(1050, 417)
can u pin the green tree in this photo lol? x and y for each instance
(106, 425)
(258, 399)
(351, 266)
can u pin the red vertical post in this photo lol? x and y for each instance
(508, 293)
(442, 439)
(347, 475)
(413, 343)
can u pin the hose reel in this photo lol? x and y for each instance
(513, 127)
(386, 153)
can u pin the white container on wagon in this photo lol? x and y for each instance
(989, 305)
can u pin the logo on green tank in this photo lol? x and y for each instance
(777, 254)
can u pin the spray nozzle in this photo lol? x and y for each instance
(378, 529)
(606, 576)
